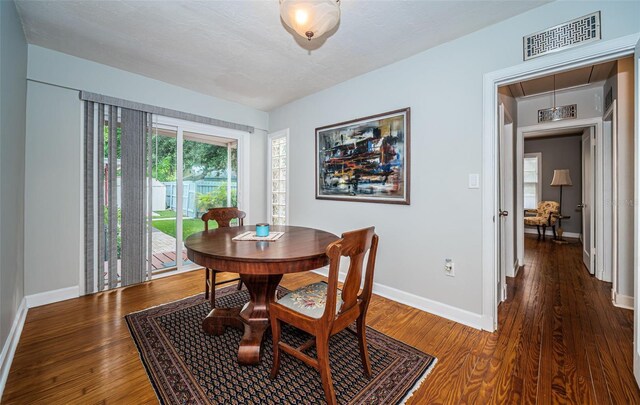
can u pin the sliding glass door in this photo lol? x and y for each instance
(147, 181)
(209, 178)
(164, 214)
(195, 168)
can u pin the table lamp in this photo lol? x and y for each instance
(561, 178)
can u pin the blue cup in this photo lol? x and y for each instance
(262, 230)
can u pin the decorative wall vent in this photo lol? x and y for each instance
(558, 113)
(564, 36)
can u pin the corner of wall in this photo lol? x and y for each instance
(13, 62)
(11, 344)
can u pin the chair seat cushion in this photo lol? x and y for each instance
(309, 300)
(533, 221)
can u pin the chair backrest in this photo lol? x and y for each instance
(355, 245)
(545, 208)
(223, 217)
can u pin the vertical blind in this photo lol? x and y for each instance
(117, 224)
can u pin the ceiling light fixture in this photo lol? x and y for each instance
(310, 18)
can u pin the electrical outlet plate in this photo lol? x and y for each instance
(449, 268)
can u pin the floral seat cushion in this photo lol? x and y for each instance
(533, 221)
(309, 300)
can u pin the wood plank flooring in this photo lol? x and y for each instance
(560, 340)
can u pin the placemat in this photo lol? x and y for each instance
(251, 236)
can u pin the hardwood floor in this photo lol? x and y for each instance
(560, 340)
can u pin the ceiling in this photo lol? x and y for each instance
(240, 50)
(565, 80)
(555, 133)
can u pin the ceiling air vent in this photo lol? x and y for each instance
(558, 113)
(564, 36)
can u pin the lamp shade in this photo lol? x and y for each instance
(310, 18)
(561, 177)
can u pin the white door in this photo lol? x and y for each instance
(636, 231)
(508, 196)
(503, 213)
(587, 199)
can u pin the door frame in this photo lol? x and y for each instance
(613, 258)
(541, 128)
(548, 65)
(636, 211)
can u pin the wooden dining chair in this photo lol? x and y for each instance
(223, 216)
(322, 310)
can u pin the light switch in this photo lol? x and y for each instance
(474, 180)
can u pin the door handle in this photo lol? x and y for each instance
(582, 205)
(503, 213)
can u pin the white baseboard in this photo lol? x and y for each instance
(10, 345)
(424, 304)
(486, 323)
(437, 308)
(49, 297)
(30, 301)
(550, 233)
(622, 301)
(516, 268)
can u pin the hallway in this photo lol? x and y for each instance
(568, 343)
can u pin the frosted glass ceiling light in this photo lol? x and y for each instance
(310, 18)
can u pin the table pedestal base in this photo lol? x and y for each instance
(253, 317)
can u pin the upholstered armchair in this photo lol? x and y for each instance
(545, 215)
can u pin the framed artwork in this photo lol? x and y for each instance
(365, 160)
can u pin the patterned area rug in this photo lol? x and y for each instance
(187, 366)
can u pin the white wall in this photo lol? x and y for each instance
(588, 98)
(54, 67)
(54, 154)
(53, 189)
(258, 177)
(13, 91)
(443, 87)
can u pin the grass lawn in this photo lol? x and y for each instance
(189, 226)
(165, 214)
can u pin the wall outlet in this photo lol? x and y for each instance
(449, 268)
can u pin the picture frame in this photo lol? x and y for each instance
(366, 159)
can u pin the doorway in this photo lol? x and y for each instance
(607, 164)
(554, 64)
(194, 167)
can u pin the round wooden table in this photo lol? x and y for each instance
(261, 266)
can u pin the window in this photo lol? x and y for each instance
(532, 179)
(279, 177)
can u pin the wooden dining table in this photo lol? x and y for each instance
(261, 266)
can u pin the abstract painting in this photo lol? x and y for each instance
(365, 160)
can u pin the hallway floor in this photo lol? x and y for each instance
(567, 342)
